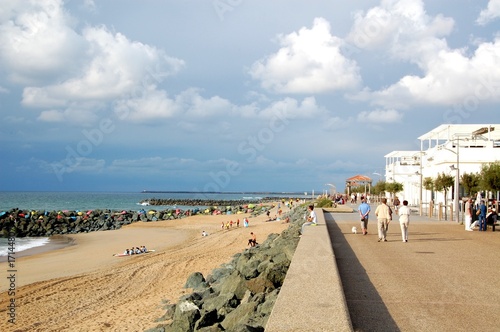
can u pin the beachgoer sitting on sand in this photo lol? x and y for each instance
(126, 252)
(137, 250)
(143, 249)
(253, 240)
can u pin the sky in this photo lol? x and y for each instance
(234, 95)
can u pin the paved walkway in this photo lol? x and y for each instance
(442, 279)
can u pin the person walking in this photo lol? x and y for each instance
(404, 220)
(468, 215)
(384, 217)
(364, 212)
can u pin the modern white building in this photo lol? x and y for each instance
(452, 149)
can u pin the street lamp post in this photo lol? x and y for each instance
(457, 184)
(456, 191)
(334, 189)
(421, 183)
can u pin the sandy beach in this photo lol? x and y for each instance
(83, 287)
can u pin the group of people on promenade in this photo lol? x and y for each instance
(384, 217)
(485, 216)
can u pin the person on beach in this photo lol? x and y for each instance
(384, 217)
(404, 220)
(364, 212)
(253, 240)
(204, 233)
(311, 220)
(245, 222)
(126, 252)
(468, 215)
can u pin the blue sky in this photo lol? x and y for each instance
(233, 95)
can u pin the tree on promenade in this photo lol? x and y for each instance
(442, 183)
(429, 185)
(393, 188)
(490, 176)
(471, 183)
(379, 188)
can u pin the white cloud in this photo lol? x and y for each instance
(290, 108)
(309, 61)
(151, 105)
(67, 71)
(77, 164)
(402, 28)
(51, 116)
(116, 67)
(489, 14)
(380, 116)
(334, 123)
(37, 41)
(448, 76)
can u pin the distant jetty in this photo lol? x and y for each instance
(211, 202)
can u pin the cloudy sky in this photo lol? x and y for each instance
(233, 95)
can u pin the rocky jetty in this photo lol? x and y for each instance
(212, 202)
(239, 295)
(22, 223)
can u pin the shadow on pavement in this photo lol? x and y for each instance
(366, 308)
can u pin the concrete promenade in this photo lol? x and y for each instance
(442, 279)
(311, 298)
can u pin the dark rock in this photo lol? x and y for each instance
(214, 328)
(185, 317)
(207, 319)
(241, 314)
(196, 281)
(247, 328)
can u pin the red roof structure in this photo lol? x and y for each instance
(358, 180)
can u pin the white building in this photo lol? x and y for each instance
(450, 149)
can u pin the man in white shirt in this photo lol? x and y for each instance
(311, 220)
(404, 220)
(468, 215)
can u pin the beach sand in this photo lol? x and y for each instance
(83, 287)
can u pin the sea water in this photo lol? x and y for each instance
(21, 244)
(119, 201)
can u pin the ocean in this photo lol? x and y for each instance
(129, 201)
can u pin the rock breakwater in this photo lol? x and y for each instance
(23, 223)
(239, 295)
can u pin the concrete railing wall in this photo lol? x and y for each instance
(312, 297)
